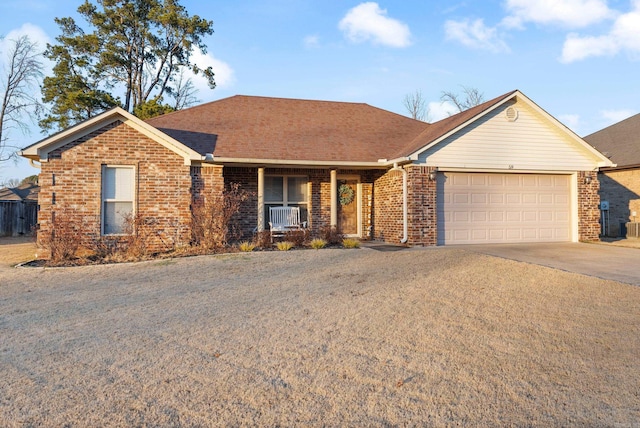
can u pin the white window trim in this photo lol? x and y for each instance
(103, 199)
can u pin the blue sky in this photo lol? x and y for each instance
(578, 59)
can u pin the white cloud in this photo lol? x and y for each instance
(439, 110)
(35, 33)
(623, 36)
(368, 22)
(475, 35)
(567, 13)
(615, 116)
(224, 74)
(311, 41)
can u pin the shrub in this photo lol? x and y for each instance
(284, 245)
(214, 217)
(62, 242)
(318, 243)
(350, 243)
(298, 237)
(246, 246)
(332, 235)
(262, 239)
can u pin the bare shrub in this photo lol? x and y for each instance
(214, 218)
(135, 242)
(298, 237)
(331, 234)
(262, 239)
(63, 240)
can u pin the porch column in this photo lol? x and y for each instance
(334, 198)
(260, 199)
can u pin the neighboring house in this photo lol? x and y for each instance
(504, 171)
(18, 209)
(620, 184)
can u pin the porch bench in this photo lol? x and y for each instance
(283, 220)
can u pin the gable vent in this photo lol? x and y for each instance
(511, 114)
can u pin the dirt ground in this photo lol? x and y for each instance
(321, 338)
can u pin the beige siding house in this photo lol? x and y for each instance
(503, 171)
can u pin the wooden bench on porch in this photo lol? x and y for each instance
(283, 220)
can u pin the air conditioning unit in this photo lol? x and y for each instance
(633, 230)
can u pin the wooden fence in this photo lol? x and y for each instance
(18, 218)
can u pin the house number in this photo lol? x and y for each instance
(510, 166)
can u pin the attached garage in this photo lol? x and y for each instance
(476, 208)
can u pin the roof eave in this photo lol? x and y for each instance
(380, 164)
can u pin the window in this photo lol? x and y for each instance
(117, 198)
(286, 191)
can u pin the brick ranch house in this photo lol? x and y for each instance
(620, 184)
(503, 171)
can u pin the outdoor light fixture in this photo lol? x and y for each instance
(432, 175)
(587, 179)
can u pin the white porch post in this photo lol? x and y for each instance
(334, 198)
(260, 199)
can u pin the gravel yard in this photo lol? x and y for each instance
(324, 338)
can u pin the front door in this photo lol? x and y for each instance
(348, 206)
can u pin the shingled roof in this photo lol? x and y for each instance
(250, 127)
(24, 192)
(620, 142)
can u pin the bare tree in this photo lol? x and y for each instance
(416, 106)
(184, 93)
(470, 97)
(19, 84)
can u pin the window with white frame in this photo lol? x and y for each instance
(117, 198)
(286, 191)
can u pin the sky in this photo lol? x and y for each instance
(577, 59)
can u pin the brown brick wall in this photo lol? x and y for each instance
(71, 181)
(387, 194)
(622, 190)
(588, 207)
(422, 206)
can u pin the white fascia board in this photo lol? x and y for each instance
(303, 163)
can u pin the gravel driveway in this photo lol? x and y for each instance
(323, 338)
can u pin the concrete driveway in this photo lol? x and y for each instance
(599, 260)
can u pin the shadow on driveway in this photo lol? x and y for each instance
(602, 261)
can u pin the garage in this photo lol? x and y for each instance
(475, 208)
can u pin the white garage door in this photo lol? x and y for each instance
(476, 208)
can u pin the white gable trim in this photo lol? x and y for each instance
(601, 160)
(40, 150)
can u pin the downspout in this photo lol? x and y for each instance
(405, 204)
